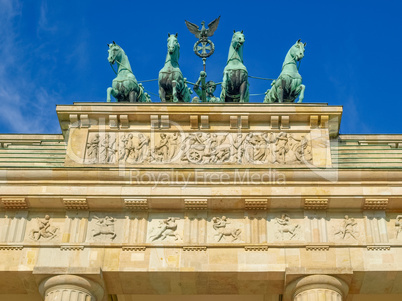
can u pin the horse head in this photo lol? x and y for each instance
(173, 44)
(237, 39)
(114, 53)
(297, 50)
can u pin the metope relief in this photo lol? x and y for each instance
(276, 148)
(44, 230)
(347, 228)
(286, 229)
(104, 226)
(224, 230)
(168, 229)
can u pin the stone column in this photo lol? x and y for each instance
(318, 288)
(70, 288)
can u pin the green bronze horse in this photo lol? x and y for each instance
(125, 87)
(172, 86)
(235, 75)
(288, 86)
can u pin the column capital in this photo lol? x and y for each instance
(71, 282)
(314, 282)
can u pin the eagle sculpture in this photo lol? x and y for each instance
(203, 33)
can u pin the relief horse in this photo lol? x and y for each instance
(105, 226)
(219, 224)
(235, 75)
(125, 87)
(172, 87)
(286, 227)
(288, 86)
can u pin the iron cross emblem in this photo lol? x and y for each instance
(203, 47)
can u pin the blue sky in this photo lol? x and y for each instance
(55, 52)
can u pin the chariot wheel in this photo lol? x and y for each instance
(194, 156)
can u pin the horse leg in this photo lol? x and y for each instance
(108, 91)
(162, 94)
(301, 96)
(174, 86)
(234, 235)
(224, 87)
(281, 89)
(132, 96)
(267, 99)
(223, 95)
(242, 91)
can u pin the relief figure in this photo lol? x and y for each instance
(43, 230)
(161, 151)
(142, 149)
(285, 227)
(93, 148)
(104, 226)
(219, 224)
(239, 145)
(398, 225)
(281, 148)
(348, 228)
(174, 145)
(107, 150)
(167, 227)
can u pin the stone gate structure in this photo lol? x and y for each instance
(189, 201)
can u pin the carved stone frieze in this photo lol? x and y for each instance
(196, 228)
(198, 148)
